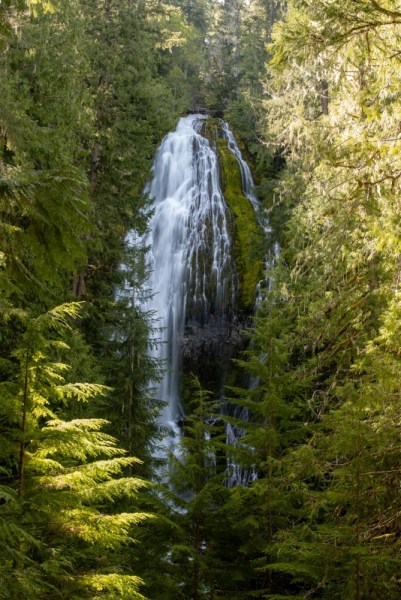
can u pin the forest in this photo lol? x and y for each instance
(249, 446)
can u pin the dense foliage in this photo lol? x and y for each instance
(86, 97)
(89, 88)
(332, 108)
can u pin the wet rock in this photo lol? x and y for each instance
(216, 338)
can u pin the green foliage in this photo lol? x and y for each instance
(130, 47)
(184, 66)
(131, 370)
(88, 90)
(44, 187)
(204, 554)
(331, 107)
(60, 477)
(85, 101)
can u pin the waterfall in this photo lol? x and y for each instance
(190, 257)
(193, 278)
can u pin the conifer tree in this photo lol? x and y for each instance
(197, 539)
(59, 478)
(44, 187)
(331, 110)
(134, 109)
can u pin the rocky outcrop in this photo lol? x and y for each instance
(215, 339)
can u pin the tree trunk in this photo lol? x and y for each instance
(325, 97)
(21, 460)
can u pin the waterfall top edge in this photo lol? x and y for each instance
(190, 121)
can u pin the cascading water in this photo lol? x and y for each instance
(193, 277)
(248, 185)
(192, 270)
(236, 473)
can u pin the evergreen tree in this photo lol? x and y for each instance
(59, 477)
(331, 110)
(44, 187)
(196, 535)
(134, 108)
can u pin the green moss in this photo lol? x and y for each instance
(246, 234)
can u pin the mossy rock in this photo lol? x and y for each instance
(247, 237)
(246, 233)
(211, 129)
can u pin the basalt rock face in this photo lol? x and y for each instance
(216, 338)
